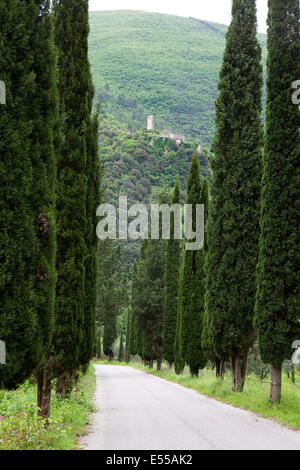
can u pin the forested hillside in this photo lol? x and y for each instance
(149, 63)
(137, 164)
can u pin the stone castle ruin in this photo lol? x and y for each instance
(150, 123)
(2, 92)
(178, 138)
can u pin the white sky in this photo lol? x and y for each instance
(218, 11)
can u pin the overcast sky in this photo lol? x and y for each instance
(212, 10)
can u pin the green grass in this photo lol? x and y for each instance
(254, 398)
(22, 429)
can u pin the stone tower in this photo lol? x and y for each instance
(150, 123)
(2, 93)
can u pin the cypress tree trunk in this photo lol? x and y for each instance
(194, 371)
(220, 369)
(276, 380)
(44, 391)
(99, 347)
(158, 365)
(293, 374)
(121, 349)
(64, 384)
(238, 365)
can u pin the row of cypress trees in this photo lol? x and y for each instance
(252, 278)
(49, 174)
(244, 283)
(165, 318)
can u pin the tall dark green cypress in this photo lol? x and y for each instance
(205, 201)
(27, 181)
(179, 363)
(71, 22)
(91, 261)
(149, 300)
(121, 349)
(233, 228)
(45, 144)
(172, 287)
(192, 286)
(127, 343)
(133, 350)
(110, 333)
(206, 339)
(277, 317)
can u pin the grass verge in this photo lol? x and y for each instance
(22, 429)
(254, 398)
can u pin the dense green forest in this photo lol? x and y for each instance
(148, 63)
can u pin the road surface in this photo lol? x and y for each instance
(138, 411)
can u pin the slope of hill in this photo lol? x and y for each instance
(141, 165)
(149, 63)
(138, 164)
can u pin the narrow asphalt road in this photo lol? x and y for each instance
(137, 411)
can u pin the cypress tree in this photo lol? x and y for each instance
(233, 228)
(98, 343)
(133, 350)
(178, 359)
(110, 333)
(192, 286)
(278, 291)
(206, 339)
(127, 344)
(96, 347)
(121, 349)
(45, 143)
(205, 201)
(172, 287)
(150, 300)
(91, 240)
(27, 182)
(71, 21)
(136, 333)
